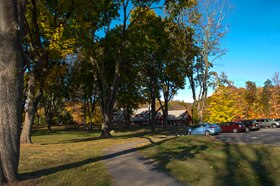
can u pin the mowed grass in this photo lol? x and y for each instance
(75, 158)
(68, 157)
(201, 160)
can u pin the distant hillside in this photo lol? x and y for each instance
(179, 105)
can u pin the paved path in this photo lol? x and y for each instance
(130, 168)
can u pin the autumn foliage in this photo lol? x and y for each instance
(230, 103)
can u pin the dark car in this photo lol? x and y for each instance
(251, 124)
(233, 127)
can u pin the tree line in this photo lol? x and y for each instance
(229, 103)
(113, 53)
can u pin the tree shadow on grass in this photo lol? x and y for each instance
(135, 133)
(234, 175)
(86, 139)
(161, 160)
(254, 159)
(53, 170)
(94, 138)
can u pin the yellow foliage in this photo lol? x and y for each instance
(76, 111)
(229, 103)
(222, 106)
(60, 44)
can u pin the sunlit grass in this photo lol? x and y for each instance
(67, 158)
(75, 158)
(202, 160)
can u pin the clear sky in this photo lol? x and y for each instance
(253, 44)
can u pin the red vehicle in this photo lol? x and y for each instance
(233, 127)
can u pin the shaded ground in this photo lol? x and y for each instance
(128, 167)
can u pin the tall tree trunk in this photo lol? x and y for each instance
(108, 109)
(49, 125)
(90, 113)
(85, 114)
(127, 115)
(110, 99)
(105, 102)
(165, 112)
(194, 113)
(49, 120)
(193, 89)
(91, 109)
(107, 125)
(200, 111)
(153, 110)
(30, 111)
(11, 86)
(110, 102)
(153, 106)
(202, 101)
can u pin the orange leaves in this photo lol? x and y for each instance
(229, 103)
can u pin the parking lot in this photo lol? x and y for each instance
(269, 136)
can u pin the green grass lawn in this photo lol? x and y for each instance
(201, 160)
(68, 157)
(64, 157)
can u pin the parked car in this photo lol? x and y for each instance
(233, 127)
(251, 124)
(277, 119)
(204, 129)
(266, 122)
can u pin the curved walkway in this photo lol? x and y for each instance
(128, 167)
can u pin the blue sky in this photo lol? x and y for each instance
(253, 44)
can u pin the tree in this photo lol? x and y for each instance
(222, 105)
(172, 69)
(150, 46)
(209, 32)
(84, 88)
(247, 103)
(120, 59)
(48, 36)
(220, 80)
(101, 17)
(11, 83)
(54, 91)
(275, 96)
(206, 20)
(265, 97)
(250, 97)
(185, 16)
(131, 90)
(95, 19)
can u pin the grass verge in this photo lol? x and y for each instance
(199, 160)
(74, 158)
(68, 157)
